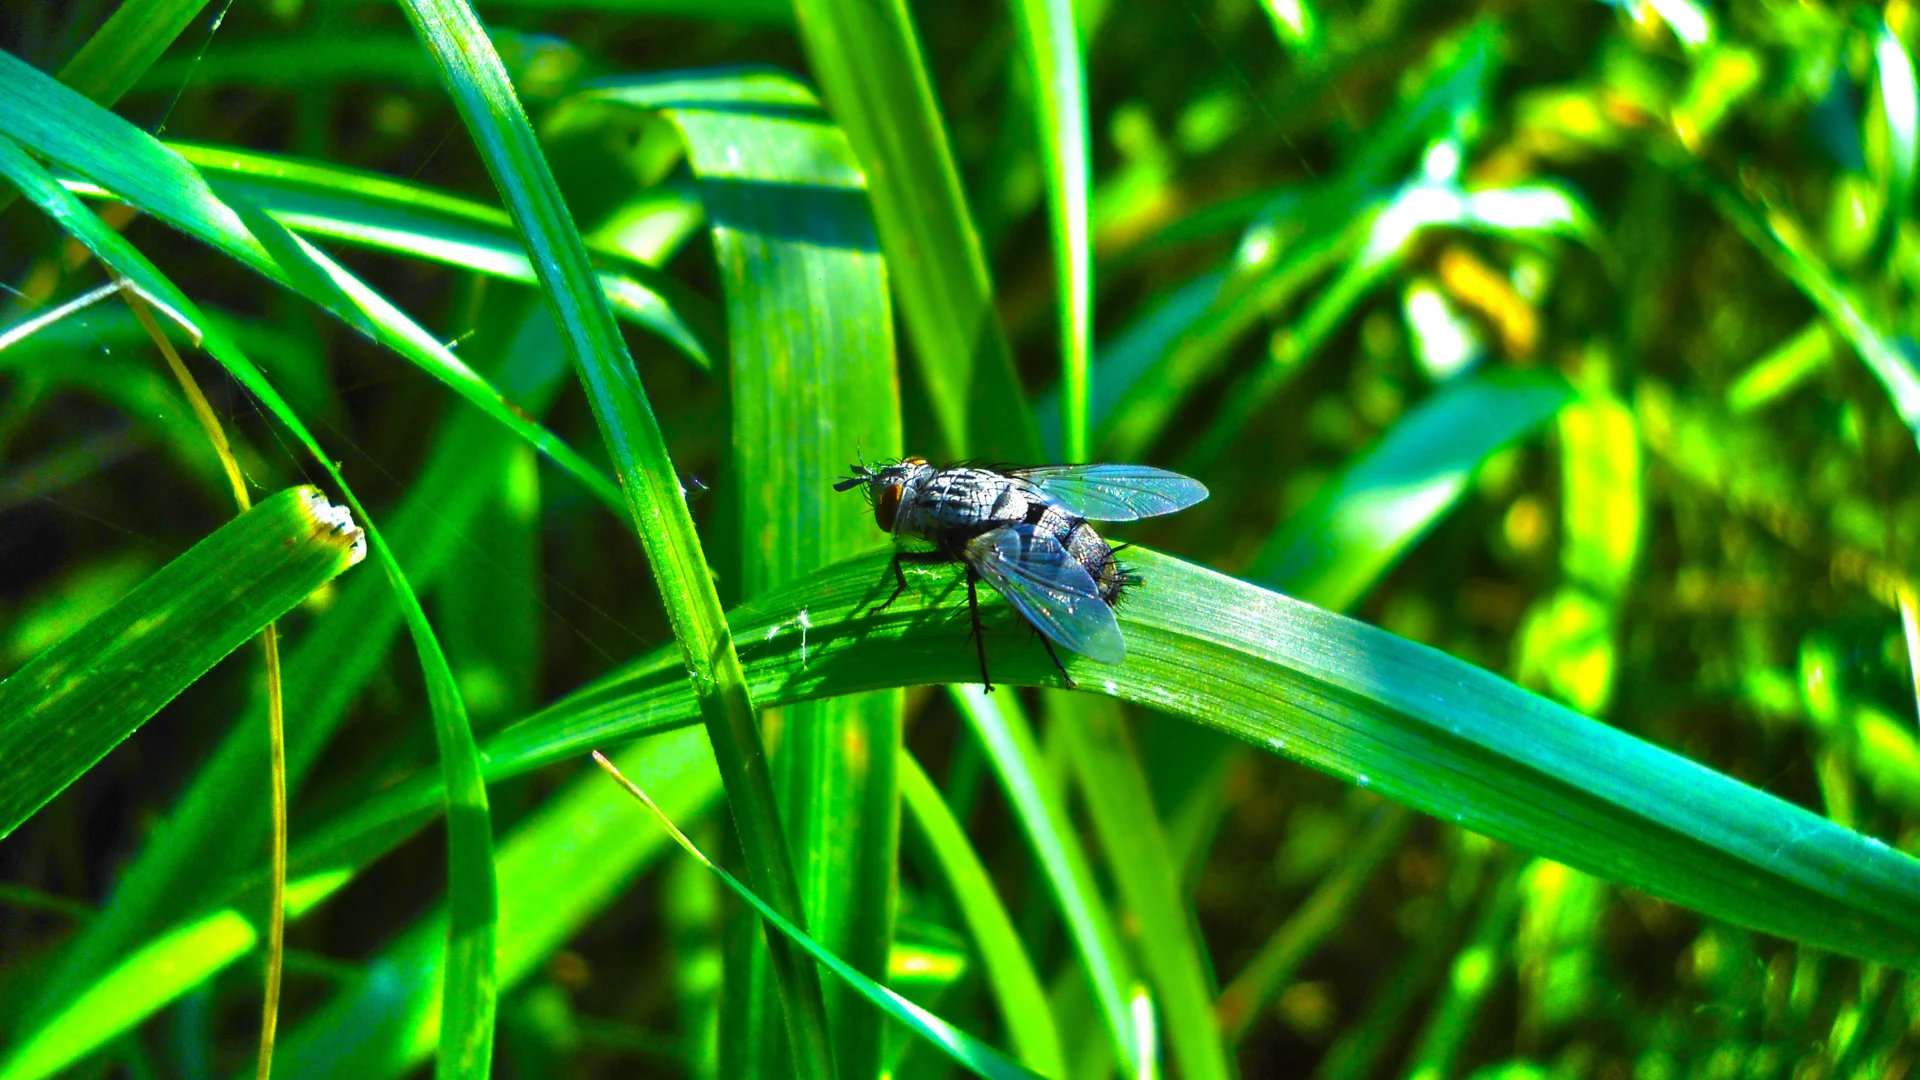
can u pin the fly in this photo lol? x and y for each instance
(1025, 531)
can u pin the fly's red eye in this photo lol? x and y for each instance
(887, 506)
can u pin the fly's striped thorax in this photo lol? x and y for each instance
(961, 502)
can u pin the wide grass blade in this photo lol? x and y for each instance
(472, 73)
(876, 84)
(71, 704)
(1403, 720)
(811, 384)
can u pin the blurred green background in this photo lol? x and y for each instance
(1576, 341)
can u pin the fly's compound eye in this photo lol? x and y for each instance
(887, 506)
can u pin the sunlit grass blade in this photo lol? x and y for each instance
(410, 219)
(1120, 806)
(474, 78)
(1050, 44)
(976, 1056)
(1040, 808)
(876, 84)
(1403, 720)
(63, 127)
(1333, 550)
(71, 704)
(470, 946)
(151, 977)
(1016, 985)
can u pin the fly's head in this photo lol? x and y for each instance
(887, 487)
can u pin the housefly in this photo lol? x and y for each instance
(1025, 531)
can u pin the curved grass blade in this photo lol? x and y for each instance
(126, 45)
(1051, 45)
(976, 1056)
(811, 382)
(469, 997)
(66, 129)
(1016, 985)
(200, 851)
(1403, 720)
(68, 706)
(876, 84)
(420, 222)
(473, 75)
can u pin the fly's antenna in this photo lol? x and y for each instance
(861, 474)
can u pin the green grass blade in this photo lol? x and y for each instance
(876, 84)
(206, 843)
(1364, 520)
(469, 995)
(1120, 805)
(1403, 720)
(409, 219)
(1040, 808)
(1051, 47)
(126, 45)
(151, 977)
(68, 706)
(66, 129)
(812, 383)
(981, 1059)
(473, 76)
(1010, 972)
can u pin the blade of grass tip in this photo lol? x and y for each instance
(276, 717)
(72, 703)
(1016, 985)
(812, 380)
(468, 992)
(70, 131)
(964, 1049)
(1120, 805)
(868, 62)
(471, 71)
(1038, 806)
(1051, 47)
(198, 853)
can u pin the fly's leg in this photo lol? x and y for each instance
(979, 639)
(900, 576)
(1055, 657)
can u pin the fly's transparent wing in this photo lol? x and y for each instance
(1045, 584)
(1114, 492)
